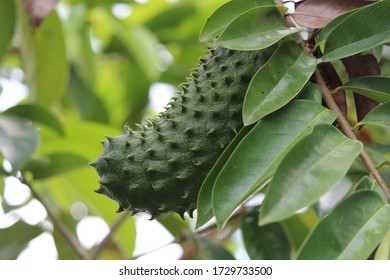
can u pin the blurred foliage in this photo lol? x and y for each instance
(89, 67)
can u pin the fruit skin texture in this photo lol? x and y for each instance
(160, 167)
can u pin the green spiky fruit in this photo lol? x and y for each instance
(160, 167)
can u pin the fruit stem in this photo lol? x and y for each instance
(346, 129)
(57, 223)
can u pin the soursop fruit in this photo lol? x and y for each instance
(160, 167)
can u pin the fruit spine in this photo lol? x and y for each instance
(160, 167)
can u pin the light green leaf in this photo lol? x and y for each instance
(374, 87)
(15, 238)
(383, 251)
(18, 140)
(54, 164)
(204, 208)
(7, 23)
(257, 156)
(227, 13)
(267, 242)
(256, 29)
(314, 166)
(367, 183)
(351, 231)
(277, 82)
(36, 113)
(364, 29)
(45, 59)
(378, 116)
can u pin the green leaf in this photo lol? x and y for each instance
(364, 29)
(367, 183)
(312, 167)
(277, 82)
(383, 251)
(256, 29)
(267, 242)
(259, 153)
(351, 231)
(15, 238)
(7, 23)
(174, 224)
(227, 13)
(18, 140)
(36, 113)
(311, 92)
(374, 87)
(204, 208)
(209, 250)
(45, 58)
(378, 116)
(329, 28)
(54, 164)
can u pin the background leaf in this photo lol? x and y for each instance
(277, 82)
(309, 170)
(209, 250)
(7, 23)
(257, 156)
(377, 88)
(267, 242)
(18, 140)
(356, 240)
(359, 32)
(36, 113)
(15, 238)
(256, 29)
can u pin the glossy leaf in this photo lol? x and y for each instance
(204, 205)
(378, 116)
(54, 164)
(36, 113)
(267, 242)
(18, 140)
(256, 29)
(46, 60)
(277, 82)
(362, 220)
(312, 167)
(7, 23)
(374, 87)
(227, 13)
(367, 183)
(311, 92)
(257, 156)
(15, 238)
(362, 30)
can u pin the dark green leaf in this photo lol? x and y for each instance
(209, 250)
(204, 208)
(311, 92)
(256, 29)
(267, 242)
(378, 116)
(374, 87)
(54, 164)
(277, 82)
(18, 140)
(36, 113)
(15, 238)
(7, 23)
(364, 29)
(257, 156)
(367, 183)
(227, 13)
(312, 167)
(351, 231)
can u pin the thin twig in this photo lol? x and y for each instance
(108, 237)
(57, 223)
(346, 129)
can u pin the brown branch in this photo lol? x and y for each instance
(346, 129)
(108, 237)
(57, 223)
